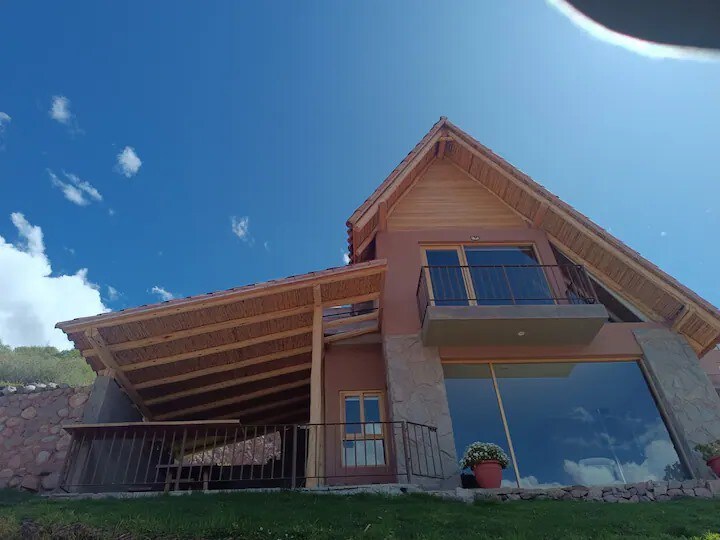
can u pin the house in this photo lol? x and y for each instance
(477, 306)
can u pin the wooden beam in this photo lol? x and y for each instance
(314, 465)
(382, 216)
(224, 403)
(686, 312)
(207, 328)
(217, 349)
(225, 297)
(209, 388)
(442, 143)
(352, 300)
(106, 357)
(351, 320)
(269, 406)
(226, 367)
(351, 334)
(540, 215)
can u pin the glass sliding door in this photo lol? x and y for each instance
(446, 277)
(589, 423)
(507, 275)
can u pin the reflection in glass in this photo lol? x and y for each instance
(507, 275)
(372, 414)
(359, 453)
(591, 423)
(446, 277)
(474, 412)
(352, 414)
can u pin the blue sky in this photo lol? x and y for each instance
(289, 114)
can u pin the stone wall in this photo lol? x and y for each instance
(685, 393)
(623, 493)
(416, 393)
(33, 444)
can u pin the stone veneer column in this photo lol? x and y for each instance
(687, 396)
(416, 393)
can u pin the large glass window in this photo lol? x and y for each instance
(446, 277)
(474, 411)
(590, 423)
(487, 275)
(507, 275)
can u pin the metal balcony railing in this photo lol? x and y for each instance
(228, 455)
(503, 285)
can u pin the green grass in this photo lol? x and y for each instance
(289, 515)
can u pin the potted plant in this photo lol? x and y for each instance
(487, 460)
(711, 454)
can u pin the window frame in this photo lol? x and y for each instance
(363, 436)
(462, 260)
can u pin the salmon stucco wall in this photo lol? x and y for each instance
(402, 249)
(33, 444)
(351, 367)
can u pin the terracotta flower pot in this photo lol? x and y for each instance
(714, 464)
(488, 474)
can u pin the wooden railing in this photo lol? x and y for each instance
(156, 456)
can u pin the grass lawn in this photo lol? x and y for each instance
(301, 516)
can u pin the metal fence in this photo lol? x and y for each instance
(228, 455)
(504, 285)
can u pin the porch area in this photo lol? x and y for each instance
(226, 454)
(227, 391)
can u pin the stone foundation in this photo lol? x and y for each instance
(626, 493)
(33, 444)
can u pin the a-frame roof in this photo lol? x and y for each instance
(609, 260)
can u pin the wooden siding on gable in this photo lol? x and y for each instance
(445, 197)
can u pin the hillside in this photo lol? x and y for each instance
(25, 365)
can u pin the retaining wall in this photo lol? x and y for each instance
(33, 444)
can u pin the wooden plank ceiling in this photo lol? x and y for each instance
(239, 354)
(613, 263)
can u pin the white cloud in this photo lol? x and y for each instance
(164, 294)
(113, 293)
(60, 109)
(76, 190)
(581, 414)
(32, 300)
(128, 162)
(663, 234)
(658, 453)
(638, 46)
(241, 228)
(266, 245)
(345, 256)
(5, 119)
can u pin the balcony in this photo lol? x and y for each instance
(508, 305)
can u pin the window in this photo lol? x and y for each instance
(486, 275)
(363, 439)
(589, 423)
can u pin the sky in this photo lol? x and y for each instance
(151, 150)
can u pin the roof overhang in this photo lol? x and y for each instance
(243, 353)
(613, 263)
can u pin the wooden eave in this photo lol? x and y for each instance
(612, 262)
(244, 353)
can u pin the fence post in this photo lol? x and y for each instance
(406, 444)
(294, 457)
